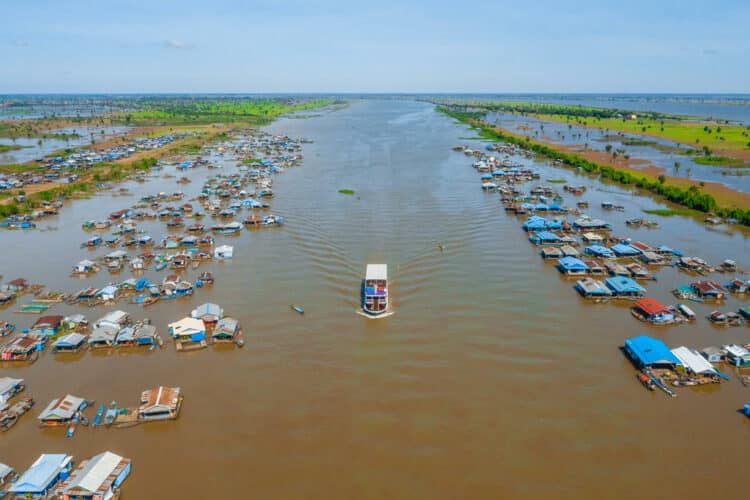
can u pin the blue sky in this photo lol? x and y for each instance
(377, 46)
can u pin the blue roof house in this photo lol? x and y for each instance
(570, 266)
(42, 476)
(625, 250)
(647, 351)
(622, 286)
(600, 251)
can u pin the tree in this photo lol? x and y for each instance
(661, 179)
(608, 148)
(677, 167)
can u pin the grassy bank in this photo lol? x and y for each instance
(697, 133)
(687, 193)
(245, 111)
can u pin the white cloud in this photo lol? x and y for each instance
(177, 44)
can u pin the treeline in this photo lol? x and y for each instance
(564, 110)
(691, 197)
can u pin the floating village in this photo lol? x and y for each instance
(119, 260)
(606, 268)
(195, 232)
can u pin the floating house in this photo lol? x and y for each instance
(224, 252)
(139, 335)
(624, 287)
(590, 288)
(694, 363)
(188, 333)
(737, 355)
(595, 268)
(738, 286)
(47, 325)
(228, 330)
(642, 247)
(161, 403)
(586, 224)
(535, 223)
(625, 250)
(22, 348)
(98, 478)
(18, 285)
(592, 238)
(648, 352)
(69, 343)
(60, 411)
(653, 311)
(570, 266)
(103, 336)
(108, 293)
(85, 267)
(569, 251)
(709, 290)
(116, 319)
(544, 238)
(6, 297)
(599, 251)
(714, 354)
(551, 253)
(42, 476)
(208, 313)
(653, 259)
(9, 387)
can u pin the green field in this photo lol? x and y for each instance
(679, 129)
(249, 111)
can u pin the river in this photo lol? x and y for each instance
(492, 379)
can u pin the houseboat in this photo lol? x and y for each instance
(160, 403)
(39, 480)
(188, 334)
(593, 289)
(652, 311)
(100, 477)
(228, 330)
(375, 300)
(60, 411)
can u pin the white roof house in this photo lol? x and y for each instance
(95, 478)
(8, 387)
(186, 326)
(117, 319)
(693, 361)
(62, 408)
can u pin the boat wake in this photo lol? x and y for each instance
(379, 316)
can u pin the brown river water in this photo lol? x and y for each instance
(491, 380)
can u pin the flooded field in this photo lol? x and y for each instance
(34, 148)
(658, 152)
(492, 379)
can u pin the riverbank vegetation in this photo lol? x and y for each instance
(188, 111)
(731, 138)
(683, 192)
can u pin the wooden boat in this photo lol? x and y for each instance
(6, 328)
(9, 417)
(98, 417)
(111, 414)
(375, 300)
(72, 426)
(646, 381)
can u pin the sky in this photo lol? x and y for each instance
(118, 46)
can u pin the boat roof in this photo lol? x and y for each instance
(376, 272)
(62, 408)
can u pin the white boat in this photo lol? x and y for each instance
(375, 290)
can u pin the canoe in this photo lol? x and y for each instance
(298, 309)
(98, 417)
(111, 414)
(72, 426)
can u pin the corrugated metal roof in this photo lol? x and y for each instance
(39, 476)
(92, 476)
(693, 361)
(649, 351)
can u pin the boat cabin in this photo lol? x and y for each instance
(375, 289)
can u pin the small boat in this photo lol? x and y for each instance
(298, 309)
(98, 417)
(375, 290)
(111, 414)
(72, 426)
(6, 328)
(646, 381)
(686, 312)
